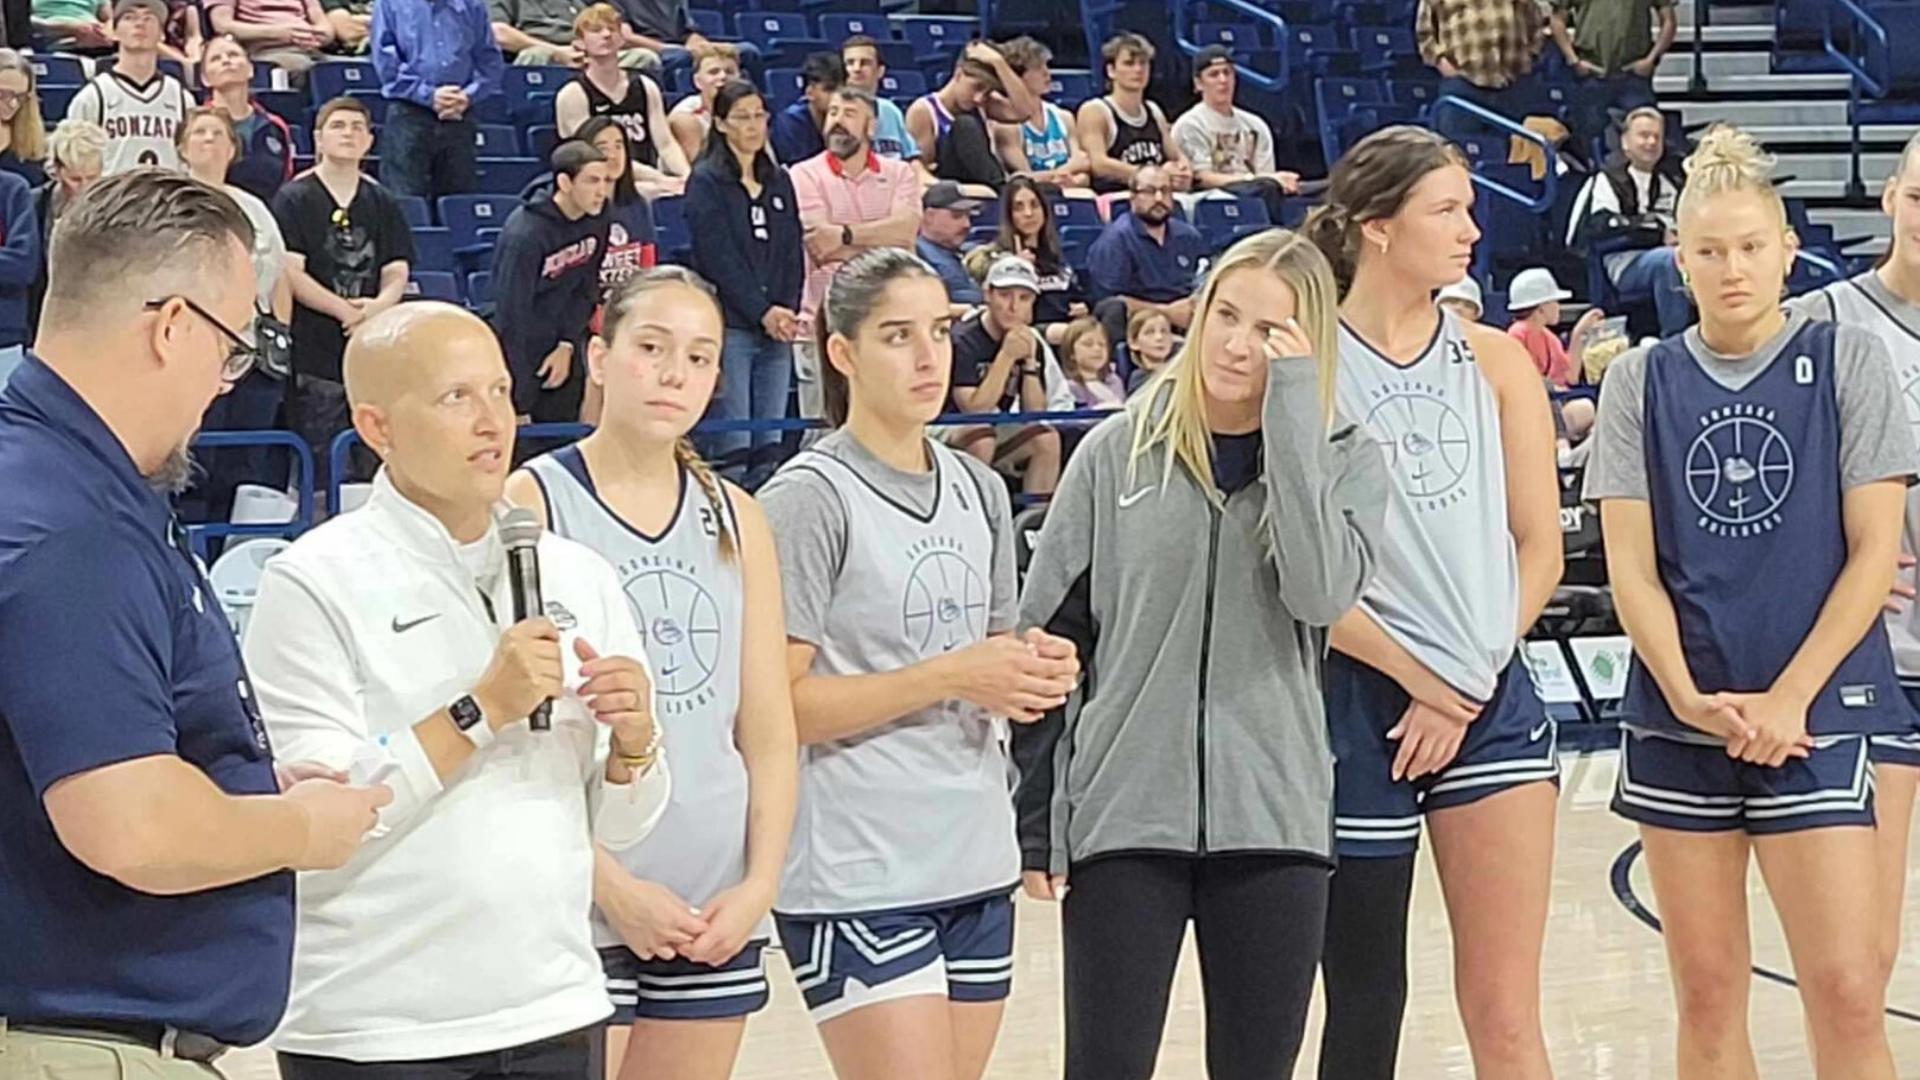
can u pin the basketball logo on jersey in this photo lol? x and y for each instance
(680, 624)
(1427, 443)
(945, 606)
(1739, 471)
(1910, 394)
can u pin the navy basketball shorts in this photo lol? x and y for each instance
(1513, 742)
(1693, 786)
(963, 952)
(681, 989)
(1902, 748)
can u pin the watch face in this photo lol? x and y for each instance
(466, 713)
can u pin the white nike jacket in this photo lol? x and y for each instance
(461, 926)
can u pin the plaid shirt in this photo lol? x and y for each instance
(1492, 42)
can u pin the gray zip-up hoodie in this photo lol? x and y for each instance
(1200, 728)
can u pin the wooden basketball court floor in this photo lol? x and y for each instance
(1607, 1002)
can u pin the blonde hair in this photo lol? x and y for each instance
(1726, 160)
(28, 130)
(619, 307)
(77, 143)
(714, 50)
(1070, 341)
(1171, 411)
(601, 16)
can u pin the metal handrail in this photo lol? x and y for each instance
(1702, 16)
(198, 533)
(1183, 20)
(1549, 185)
(1858, 77)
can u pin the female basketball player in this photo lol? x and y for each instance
(1887, 300)
(683, 915)
(897, 558)
(1431, 707)
(1757, 449)
(1212, 806)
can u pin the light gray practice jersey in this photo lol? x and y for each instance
(689, 604)
(917, 812)
(1446, 584)
(1866, 302)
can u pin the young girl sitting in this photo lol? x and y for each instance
(1090, 373)
(1150, 343)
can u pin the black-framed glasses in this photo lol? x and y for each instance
(241, 353)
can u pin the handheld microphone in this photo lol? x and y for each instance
(520, 532)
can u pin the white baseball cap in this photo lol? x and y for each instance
(1465, 289)
(1532, 287)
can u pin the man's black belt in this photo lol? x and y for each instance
(163, 1040)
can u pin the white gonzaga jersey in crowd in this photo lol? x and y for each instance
(689, 604)
(919, 811)
(140, 119)
(1866, 302)
(1447, 584)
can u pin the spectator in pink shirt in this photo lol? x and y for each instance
(851, 200)
(1533, 300)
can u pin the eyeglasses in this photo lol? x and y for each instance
(12, 97)
(241, 353)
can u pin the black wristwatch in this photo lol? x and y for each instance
(846, 236)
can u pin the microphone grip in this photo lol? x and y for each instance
(523, 570)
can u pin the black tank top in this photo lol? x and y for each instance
(1133, 144)
(963, 151)
(629, 112)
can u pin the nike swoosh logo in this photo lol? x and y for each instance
(1129, 500)
(402, 627)
(1534, 736)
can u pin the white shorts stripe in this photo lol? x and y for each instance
(751, 989)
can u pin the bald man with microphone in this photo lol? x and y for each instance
(456, 944)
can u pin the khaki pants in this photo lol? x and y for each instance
(40, 1055)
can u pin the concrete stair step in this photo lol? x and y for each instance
(1874, 167)
(1764, 113)
(1679, 64)
(1728, 15)
(1725, 34)
(1675, 86)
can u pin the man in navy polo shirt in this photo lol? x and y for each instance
(145, 832)
(1146, 260)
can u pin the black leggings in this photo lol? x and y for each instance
(1258, 921)
(1364, 964)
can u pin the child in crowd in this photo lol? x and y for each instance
(1150, 344)
(1090, 373)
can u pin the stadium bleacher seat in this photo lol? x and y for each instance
(54, 101)
(479, 289)
(541, 139)
(537, 108)
(496, 140)
(415, 209)
(59, 69)
(375, 102)
(1335, 102)
(1069, 212)
(465, 215)
(262, 77)
(1238, 36)
(332, 78)
(433, 249)
(707, 23)
(1381, 47)
(433, 285)
(903, 84)
(1223, 221)
(936, 39)
(1071, 86)
(288, 105)
(510, 175)
(841, 25)
(782, 36)
(535, 79)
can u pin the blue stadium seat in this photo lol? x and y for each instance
(1071, 86)
(465, 215)
(372, 99)
(1381, 47)
(535, 108)
(59, 69)
(433, 285)
(709, 24)
(1223, 221)
(496, 140)
(902, 84)
(1418, 93)
(1079, 237)
(509, 176)
(541, 139)
(784, 86)
(332, 78)
(415, 209)
(54, 101)
(166, 67)
(841, 25)
(433, 249)
(1335, 101)
(262, 76)
(1238, 36)
(535, 79)
(479, 289)
(288, 105)
(783, 36)
(936, 39)
(670, 225)
(898, 56)
(1070, 212)
(302, 140)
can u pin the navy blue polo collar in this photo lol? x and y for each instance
(42, 394)
(1140, 229)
